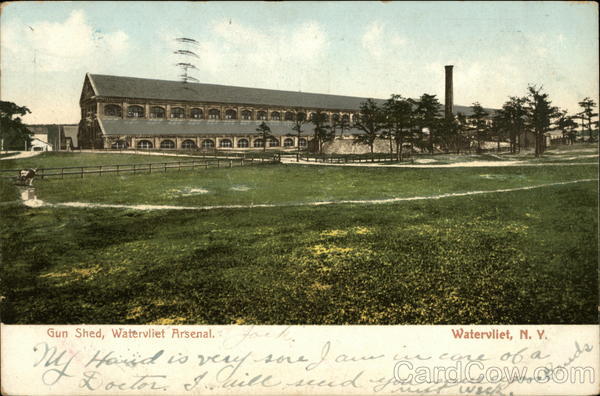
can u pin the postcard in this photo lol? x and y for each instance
(299, 198)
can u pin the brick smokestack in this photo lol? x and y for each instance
(449, 102)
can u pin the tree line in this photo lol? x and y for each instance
(416, 123)
(421, 125)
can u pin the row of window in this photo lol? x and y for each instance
(209, 143)
(135, 111)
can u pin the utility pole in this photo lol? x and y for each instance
(186, 53)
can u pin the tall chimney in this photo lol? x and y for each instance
(449, 103)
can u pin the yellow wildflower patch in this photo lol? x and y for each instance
(75, 272)
(319, 286)
(169, 321)
(334, 233)
(320, 249)
(135, 312)
(361, 230)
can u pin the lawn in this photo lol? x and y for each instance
(65, 159)
(501, 258)
(293, 184)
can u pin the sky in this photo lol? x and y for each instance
(365, 49)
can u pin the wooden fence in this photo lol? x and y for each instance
(147, 168)
(407, 156)
(337, 159)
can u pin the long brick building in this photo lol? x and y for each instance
(118, 112)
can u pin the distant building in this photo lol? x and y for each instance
(38, 144)
(59, 136)
(69, 133)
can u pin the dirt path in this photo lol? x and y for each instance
(466, 164)
(22, 154)
(29, 199)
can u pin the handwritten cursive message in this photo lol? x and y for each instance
(293, 360)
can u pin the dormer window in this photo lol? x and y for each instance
(197, 113)
(135, 112)
(112, 110)
(157, 112)
(177, 112)
(246, 115)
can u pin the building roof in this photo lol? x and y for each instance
(198, 127)
(143, 88)
(38, 129)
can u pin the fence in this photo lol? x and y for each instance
(387, 157)
(147, 168)
(196, 152)
(351, 158)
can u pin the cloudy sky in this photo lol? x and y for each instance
(367, 49)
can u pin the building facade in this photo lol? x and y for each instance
(125, 112)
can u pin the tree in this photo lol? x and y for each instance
(540, 114)
(513, 118)
(427, 114)
(322, 131)
(499, 128)
(463, 136)
(478, 124)
(13, 134)
(449, 134)
(370, 120)
(567, 126)
(265, 133)
(299, 121)
(588, 106)
(397, 113)
(343, 123)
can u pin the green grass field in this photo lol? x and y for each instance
(500, 258)
(64, 159)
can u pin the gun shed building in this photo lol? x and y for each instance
(127, 112)
(119, 112)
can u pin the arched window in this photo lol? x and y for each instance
(273, 142)
(188, 144)
(258, 143)
(177, 112)
(288, 142)
(313, 116)
(242, 143)
(230, 114)
(157, 112)
(261, 115)
(346, 118)
(246, 115)
(335, 117)
(275, 116)
(214, 114)
(208, 143)
(167, 144)
(135, 111)
(324, 117)
(355, 117)
(225, 143)
(112, 110)
(197, 113)
(289, 116)
(144, 144)
(301, 116)
(119, 144)
(302, 142)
